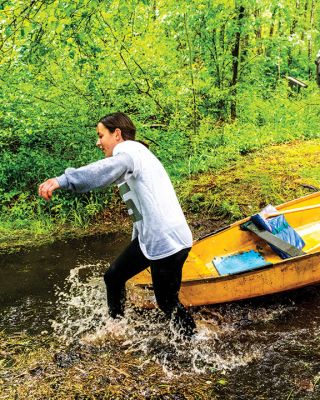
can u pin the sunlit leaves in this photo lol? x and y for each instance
(168, 63)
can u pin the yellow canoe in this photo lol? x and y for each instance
(202, 284)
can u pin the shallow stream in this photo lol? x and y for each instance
(267, 348)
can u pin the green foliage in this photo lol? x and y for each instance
(172, 66)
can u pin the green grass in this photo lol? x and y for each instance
(273, 175)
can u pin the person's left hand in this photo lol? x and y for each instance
(46, 188)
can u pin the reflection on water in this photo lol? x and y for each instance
(262, 347)
(28, 279)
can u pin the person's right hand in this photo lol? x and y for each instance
(46, 188)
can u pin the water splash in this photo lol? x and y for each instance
(83, 316)
(81, 304)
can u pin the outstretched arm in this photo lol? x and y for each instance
(99, 174)
(46, 188)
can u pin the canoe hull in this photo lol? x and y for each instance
(202, 283)
(291, 274)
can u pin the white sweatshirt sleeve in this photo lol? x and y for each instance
(96, 175)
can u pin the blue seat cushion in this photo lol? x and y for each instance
(240, 262)
(279, 227)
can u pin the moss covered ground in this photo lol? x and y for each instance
(271, 176)
(40, 368)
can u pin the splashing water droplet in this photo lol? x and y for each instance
(83, 316)
(81, 304)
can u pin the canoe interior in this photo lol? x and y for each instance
(233, 240)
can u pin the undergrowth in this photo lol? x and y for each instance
(272, 175)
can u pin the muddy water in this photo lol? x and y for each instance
(267, 348)
(28, 280)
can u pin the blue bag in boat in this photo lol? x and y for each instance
(279, 227)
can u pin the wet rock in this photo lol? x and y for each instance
(55, 385)
(172, 396)
(37, 371)
(66, 360)
(177, 396)
(104, 380)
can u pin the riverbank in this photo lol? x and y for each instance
(13, 240)
(244, 340)
(42, 368)
(210, 200)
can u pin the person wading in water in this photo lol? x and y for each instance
(161, 237)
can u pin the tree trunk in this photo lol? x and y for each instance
(154, 10)
(317, 62)
(292, 31)
(273, 19)
(235, 64)
(305, 19)
(258, 30)
(194, 97)
(312, 10)
(305, 24)
(268, 49)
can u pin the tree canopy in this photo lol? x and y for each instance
(203, 80)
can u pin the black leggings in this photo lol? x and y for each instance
(166, 278)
